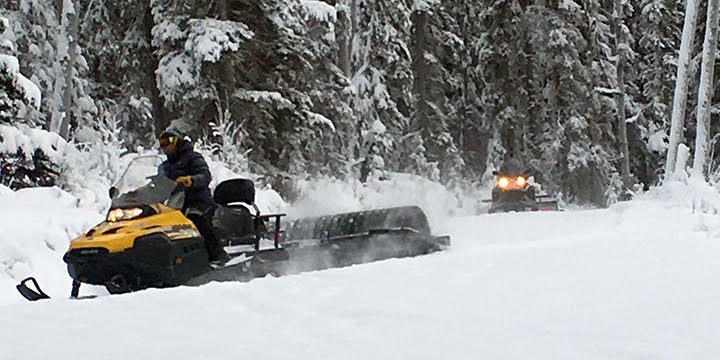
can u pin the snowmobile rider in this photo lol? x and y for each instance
(512, 167)
(188, 168)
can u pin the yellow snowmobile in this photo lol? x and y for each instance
(147, 241)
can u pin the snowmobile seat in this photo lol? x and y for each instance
(233, 191)
(233, 220)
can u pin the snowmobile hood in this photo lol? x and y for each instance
(120, 235)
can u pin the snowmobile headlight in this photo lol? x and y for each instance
(503, 182)
(520, 181)
(124, 214)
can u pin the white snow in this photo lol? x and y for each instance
(607, 91)
(166, 31)
(4, 24)
(176, 71)
(10, 62)
(635, 281)
(569, 5)
(320, 119)
(269, 96)
(424, 5)
(37, 225)
(320, 10)
(210, 38)
(28, 139)
(31, 91)
(656, 141)
(378, 127)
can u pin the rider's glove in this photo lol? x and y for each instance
(185, 181)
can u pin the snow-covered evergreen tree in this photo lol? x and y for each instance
(40, 31)
(356, 88)
(121, 63)
(381, 68)
(438, 81)
(20, 98)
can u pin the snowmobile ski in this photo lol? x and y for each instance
(29, 293)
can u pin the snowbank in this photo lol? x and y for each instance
(636, 281)
(683, 191)
(37, 226)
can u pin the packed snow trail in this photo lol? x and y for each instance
(638, 280)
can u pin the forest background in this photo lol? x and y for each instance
(359, 89)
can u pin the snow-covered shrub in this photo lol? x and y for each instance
(225, 143)
(97, 163)
(376, 145)
(29, 157)
(681, 189)
(18, 170)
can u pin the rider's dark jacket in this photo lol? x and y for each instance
(185, 161)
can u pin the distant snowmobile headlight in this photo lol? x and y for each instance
(520, 181)
(503, 182)
(124, 214)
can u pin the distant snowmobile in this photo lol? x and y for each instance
(513, 192)
(146, 241)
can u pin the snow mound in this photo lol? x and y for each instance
(28, 139)
(686, 193)
(37, 226)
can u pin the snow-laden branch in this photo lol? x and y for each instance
(257, 96)
(607, 91)
(320, 10)
(31, 92)
(319, 119)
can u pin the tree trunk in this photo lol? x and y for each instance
(161, 119)
(466, 61)
(620, 97)
(227, 71)
(69, 69)
(343, 34)
(421, 72)
(353, 33)
(705, 93)
(681, 86)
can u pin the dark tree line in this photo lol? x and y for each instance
(354, 88)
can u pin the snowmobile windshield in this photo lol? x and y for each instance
(141, 184)
(512, 168)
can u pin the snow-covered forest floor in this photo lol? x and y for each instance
(637, 280)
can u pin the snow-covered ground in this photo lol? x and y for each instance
(636, 281)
